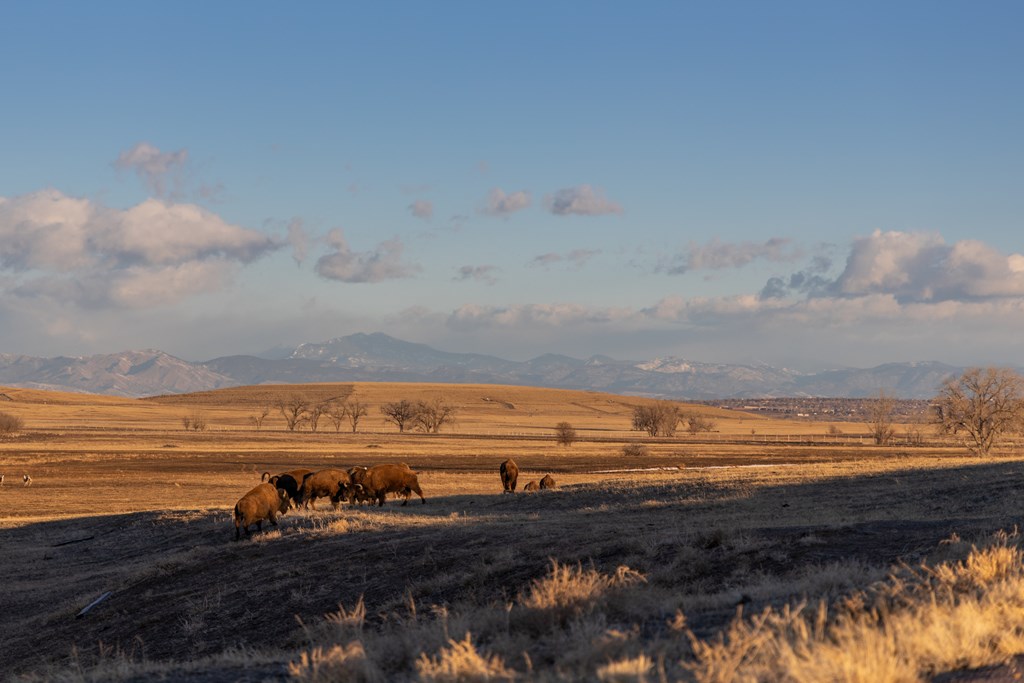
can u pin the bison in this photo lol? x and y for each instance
(548, 482)
(381, 480)
(532, 485)
(328, 483)
(509, 475)
(290, 481)
(263, 502)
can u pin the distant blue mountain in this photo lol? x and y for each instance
(379, 357)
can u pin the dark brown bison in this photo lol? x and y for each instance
(327, 483)
(548, 482)
(381, 480)
(532, 485)
(509, 475)
(356, 491)
(263, 502)
(290, 481)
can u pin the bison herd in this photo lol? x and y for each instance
(302, 487)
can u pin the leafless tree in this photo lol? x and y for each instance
(433, 414)
(355, 411)
(258, 418)
(336, 413)
(565, 434)
(880, 418)
(697, 423)
(982, 403)
(657, 419)
(294, 409)
(315, 412)
(401, 413)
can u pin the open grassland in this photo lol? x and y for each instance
(702, 560)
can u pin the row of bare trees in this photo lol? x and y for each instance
(298, 410)
(662, 418)
(425, 416)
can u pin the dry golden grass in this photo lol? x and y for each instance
(617, 575)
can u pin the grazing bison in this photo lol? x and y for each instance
(263, 502)
(381, 480)
(290, 481)
(548, 482)
(509, 475)
(328, 483)
(532, 485)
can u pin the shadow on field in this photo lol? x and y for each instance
(181, 588)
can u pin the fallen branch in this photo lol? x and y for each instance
(94, 603)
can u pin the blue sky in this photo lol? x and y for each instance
(811, 184)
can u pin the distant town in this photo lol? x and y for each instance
(817, 408)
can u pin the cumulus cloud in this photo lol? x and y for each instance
(155, 168)
(149, 254)
(576, 258)
(501, 204)
(422, 208)
(717, 255)
(582, 200)
(921, 267)
(382, 263)
(483, 274)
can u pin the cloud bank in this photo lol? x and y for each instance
(154, 253)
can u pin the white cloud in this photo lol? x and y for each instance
(298, 239)
(501, 204)
(582, 200)
(921, 267)
(155, 168)
(79, 251)
(717, 255)
(382, 263)
(422, 208)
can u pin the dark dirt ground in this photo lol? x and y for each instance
(181, 590)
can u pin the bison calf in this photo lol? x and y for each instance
(381, 480)
(263, 502)
(548, 482)
(509, 475)
(532, 485)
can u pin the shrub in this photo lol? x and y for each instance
(565, 434)
(9, 424)
(635, 449)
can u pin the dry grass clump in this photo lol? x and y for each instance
(338, 663)
(918, 623)
(461, 662)
(628, 670)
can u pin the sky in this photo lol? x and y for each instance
(809, 184)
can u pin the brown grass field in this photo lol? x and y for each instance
(767, 550)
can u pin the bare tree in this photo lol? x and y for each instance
(565, 434)
(196, 421)
(983, 403)
(315, 412)
(258, 418)
(657, 419)
(432, 415)
(880, 418)
(294, 409)
(401, 413)
(697, 423)
(355, 411)
(336, 413)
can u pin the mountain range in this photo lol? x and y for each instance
(379, 357)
